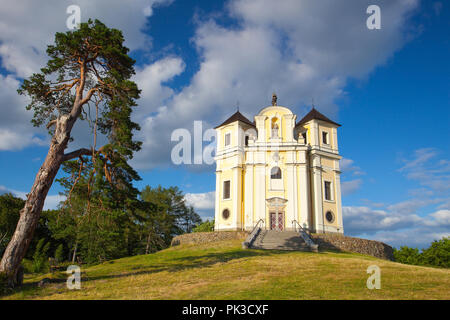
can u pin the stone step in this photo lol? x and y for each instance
(285, 248)
(280, 240)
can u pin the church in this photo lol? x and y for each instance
(278, 173)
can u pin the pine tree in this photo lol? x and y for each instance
(86, 78)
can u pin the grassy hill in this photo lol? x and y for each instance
(223, 270)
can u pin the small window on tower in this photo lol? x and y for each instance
(325, 137)
(304, 136)
(226, 189)
(227, 139)
(327, 188)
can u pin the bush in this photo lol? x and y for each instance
(437, 255)
(3, 283)
(40, 263)
(407, 255)
(59, 253)
(206, 226)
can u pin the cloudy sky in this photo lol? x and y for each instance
(198, 60)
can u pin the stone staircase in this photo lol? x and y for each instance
(279, 240)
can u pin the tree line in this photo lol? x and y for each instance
(97, 229)
(436, 255)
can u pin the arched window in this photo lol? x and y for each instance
(275, 173)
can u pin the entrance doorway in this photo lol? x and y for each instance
(277, 221)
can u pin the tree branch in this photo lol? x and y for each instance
(77, 153)
(51, 123)
(81, 152)
(88, 95)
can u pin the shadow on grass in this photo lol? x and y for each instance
(178, 264)
(174, 264)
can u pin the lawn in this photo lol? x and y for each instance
(223, 270)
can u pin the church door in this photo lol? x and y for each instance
(277, 221)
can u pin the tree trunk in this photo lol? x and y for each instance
(147, 248)
(30, 214)
(74, 253)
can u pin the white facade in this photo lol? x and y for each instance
(267, 172)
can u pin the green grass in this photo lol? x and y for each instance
(223, 270)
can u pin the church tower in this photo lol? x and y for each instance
(277, 172)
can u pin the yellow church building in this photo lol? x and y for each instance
(278, 173)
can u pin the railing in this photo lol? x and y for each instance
(305, 236)
(252, 236)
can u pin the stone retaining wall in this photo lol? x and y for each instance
(325, 241)
(205, 237)
(343, 243)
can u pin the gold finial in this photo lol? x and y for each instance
(274, 99)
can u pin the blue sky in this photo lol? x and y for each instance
(389, 88)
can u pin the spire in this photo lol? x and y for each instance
(274, 99)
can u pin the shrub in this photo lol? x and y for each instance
(59, 253)
(437, 255)
(206, 226)
(407, 255)
(39, 263)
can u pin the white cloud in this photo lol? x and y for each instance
(398, 225)
(201, 201)
(51, 201)
(430, 171)
(300, 49)
(27, 27)
(16, 131)
(348, 166)
(349, 187)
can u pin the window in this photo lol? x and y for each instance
(226, 214)
(329, 216)
(304, 135)
(227, 139)
(325, 137)
(327, 188)
(246, 140)
(226, 189)
(275, 173)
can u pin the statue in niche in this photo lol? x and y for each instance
(275, 131)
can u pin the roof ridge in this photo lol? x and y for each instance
(315, 114)
(237, 116)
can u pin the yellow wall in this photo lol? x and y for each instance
(328, 129)
(329, 175)
(231, 169)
